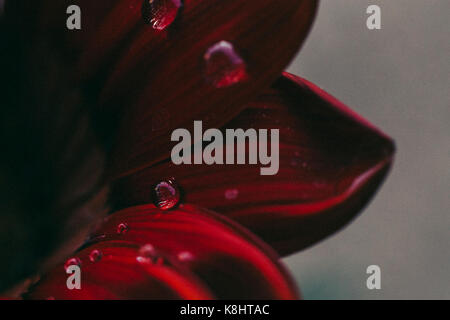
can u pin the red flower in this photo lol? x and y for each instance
(116, 90)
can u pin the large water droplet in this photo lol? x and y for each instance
(149, 255)
(75, 261)
(223, 66)
(95, 255)
(160, 13)
(166, 194)
(122, 228)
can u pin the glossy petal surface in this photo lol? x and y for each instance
(190, 252)
(331, 163)
(156, 76)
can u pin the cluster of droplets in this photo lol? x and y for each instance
(223, 66)
(166, 194)
(94, 256)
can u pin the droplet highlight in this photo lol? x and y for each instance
(160, 13)
(185, 256)
(75, 261)
(231, 194)
(166, 194)
(122, 228)
(148, 255)
(95, 255)
(224, 67)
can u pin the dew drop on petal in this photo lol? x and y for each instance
(95, 255)
(185, 256)
(149, 255)
(223, 65)
(160, 13)
(72, 262)
(231, 194)
(166, 194)
(122, 228)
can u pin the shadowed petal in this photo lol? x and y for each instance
(205, 66)
(63, 80)
(144, 79)
(229, 260)
(331, 163)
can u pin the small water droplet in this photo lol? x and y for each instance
(166, 194)
(122, 228)
(95, 255)
(185, 256)
(160, 13)
(231, 194)
(149, 255)
(223, 65)
(75, 261)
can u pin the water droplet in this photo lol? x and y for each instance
(166, 194)
(95, 255)
(160, 13)
(185, 256)
(231, 194)
(122, 228)
(75, 261)
(149, 255)
(223, 66)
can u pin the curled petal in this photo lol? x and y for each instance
(207, 248)
(331, 163)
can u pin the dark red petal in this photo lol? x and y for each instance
(161, 80)
(118, 275)
(331, 163)
(155, 76)
(228, 259)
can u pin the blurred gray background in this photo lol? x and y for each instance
(398, 78)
